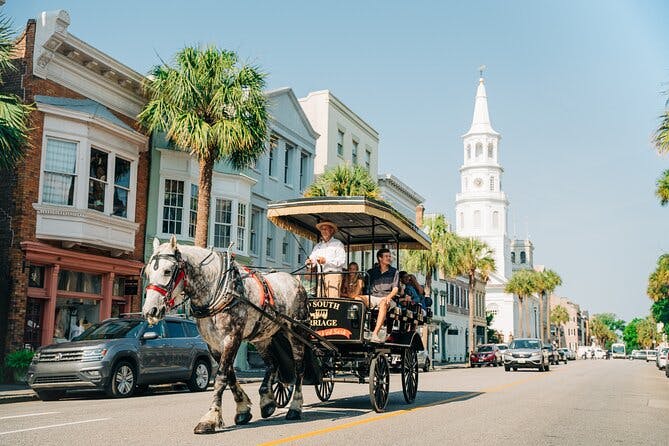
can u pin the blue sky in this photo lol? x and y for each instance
(574, 88)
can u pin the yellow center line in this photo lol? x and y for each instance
(385, 416)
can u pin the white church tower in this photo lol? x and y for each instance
(481, 206)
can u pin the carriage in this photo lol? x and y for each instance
(338, 328)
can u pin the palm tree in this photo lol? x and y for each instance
(658, 282)
(662, 191)
(559, 317)
(474, 258)
(344, 181)
(213, 107)
(522, 283)
(547, 281)
(13, 113)
(661, 137)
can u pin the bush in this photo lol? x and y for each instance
(19, 359)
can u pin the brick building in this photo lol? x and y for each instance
(73, 212)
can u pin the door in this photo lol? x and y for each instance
(180, 349)
(151, 354)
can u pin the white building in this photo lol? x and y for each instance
(482, 211)
(344, 136)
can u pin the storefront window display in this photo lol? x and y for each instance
(79, 282)
(73, 316)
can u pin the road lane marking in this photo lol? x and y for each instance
(399, 412)
(28, 415)
(53, 425)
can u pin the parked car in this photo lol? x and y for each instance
(526, 353)
(502, 348)
(486, 354)
(553, 355)
(424, 361)
(121, 356)
(564, 354)
(661, 360)
(651, 355)
(639, 354)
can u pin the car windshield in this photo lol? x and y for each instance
(502, 347)
(485, 348)
(111, 330)
(525, 343)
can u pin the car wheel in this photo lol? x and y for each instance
(547, 368)
(515, 369)
(199, 379)
(50, 395)
(507, 368)
(426, 366)
(122, 380)
(541, 368)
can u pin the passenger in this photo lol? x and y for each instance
(352, 284)
(411, 293)
(329, 253)
(382, 287)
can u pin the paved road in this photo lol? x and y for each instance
(583, 402)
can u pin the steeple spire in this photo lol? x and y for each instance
(481, 119)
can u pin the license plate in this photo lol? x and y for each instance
(521, 360)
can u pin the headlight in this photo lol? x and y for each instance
(536, 355)
(94, 355)
(35, 359)
(507, 357)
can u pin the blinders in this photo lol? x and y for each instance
(178, 275)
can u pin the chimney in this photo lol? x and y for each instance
(420, 211)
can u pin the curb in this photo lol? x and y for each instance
(19, 398)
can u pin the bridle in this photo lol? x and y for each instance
(178, 276)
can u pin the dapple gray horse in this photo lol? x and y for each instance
(225, 298)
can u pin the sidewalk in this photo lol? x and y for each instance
(15, 393)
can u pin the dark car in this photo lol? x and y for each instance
(526, 353)
(121, 356)
(486, 354)
(553, 355)
(563, 354)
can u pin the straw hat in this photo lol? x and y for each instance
(327, 223)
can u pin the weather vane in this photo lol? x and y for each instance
(481, 68)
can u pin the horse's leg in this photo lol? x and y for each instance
(267, 401)
(213, 419)
(295, 410)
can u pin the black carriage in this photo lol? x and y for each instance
(339, 327)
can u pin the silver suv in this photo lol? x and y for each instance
(121, 356)
(526, 353)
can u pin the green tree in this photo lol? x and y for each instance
(344, 181)
(658, 281)
(522, 283)
(13, 113)
(473, 258)
(611, 320)
(630, 336)
(647, 332)
(662, 190)
(493, 335)
(602, 333)
(660, 312)
(547, 281)
(559, 317)
(661, 137)
(212, 106)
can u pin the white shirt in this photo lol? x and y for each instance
(333, 252)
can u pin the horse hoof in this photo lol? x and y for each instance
(268, 410)
(293, 415)
(243, 418)
(204, 428)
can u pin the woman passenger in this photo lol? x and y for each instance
(352, 284)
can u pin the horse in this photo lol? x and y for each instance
(226, 300)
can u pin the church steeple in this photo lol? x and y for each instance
(481, 120)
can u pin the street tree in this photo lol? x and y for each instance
(344, 181)
(611, 320)
(13, 113)
(473, 259)
(523, 283)
(660, 312)
(212, 106)
(630, 335)
(559, 317)
(658, 281)
(662, 190)
(661, 142)
(547, 281)
(647, 332)
(602, 333)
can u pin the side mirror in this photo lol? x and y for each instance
(149, 335)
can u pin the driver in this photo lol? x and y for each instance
(329, 253)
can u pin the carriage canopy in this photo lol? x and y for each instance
(362, 222)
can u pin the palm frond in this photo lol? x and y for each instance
(662, 190)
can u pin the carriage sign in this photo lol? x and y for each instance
(330, 318)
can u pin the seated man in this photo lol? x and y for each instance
(382, 287)
(329, 253)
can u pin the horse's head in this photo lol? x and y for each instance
(166, 274)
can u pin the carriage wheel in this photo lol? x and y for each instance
(379, 382)
(409, 374)
(324, 389)
(282, 393)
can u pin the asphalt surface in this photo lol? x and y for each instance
(583, 402)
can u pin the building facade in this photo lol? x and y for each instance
(568, 334)
(75, 205)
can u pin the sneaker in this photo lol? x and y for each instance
(376, 339)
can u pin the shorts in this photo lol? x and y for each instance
(375, 301)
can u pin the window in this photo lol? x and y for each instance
(97, 182)
(192, 221)
(477, 219)
(495, 219)
(340, 143)
(241, 226)
(492, 183)
(191, 330)
(121, 187)
(523, 257)
(79, 282)
(462, 220)
(59, 172)
(287, 160)
(175, 329)
(222, 223)
(490, 151)
(469, 152)
(285, 248)
(269, 247)
(479, 150)
(118, 286)
(354, 153)
(36, 276)
(304, 158)
(466, 184)
(513, 257)
(173, 206)
(273, 144)
(255, 227)
(368, 159)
